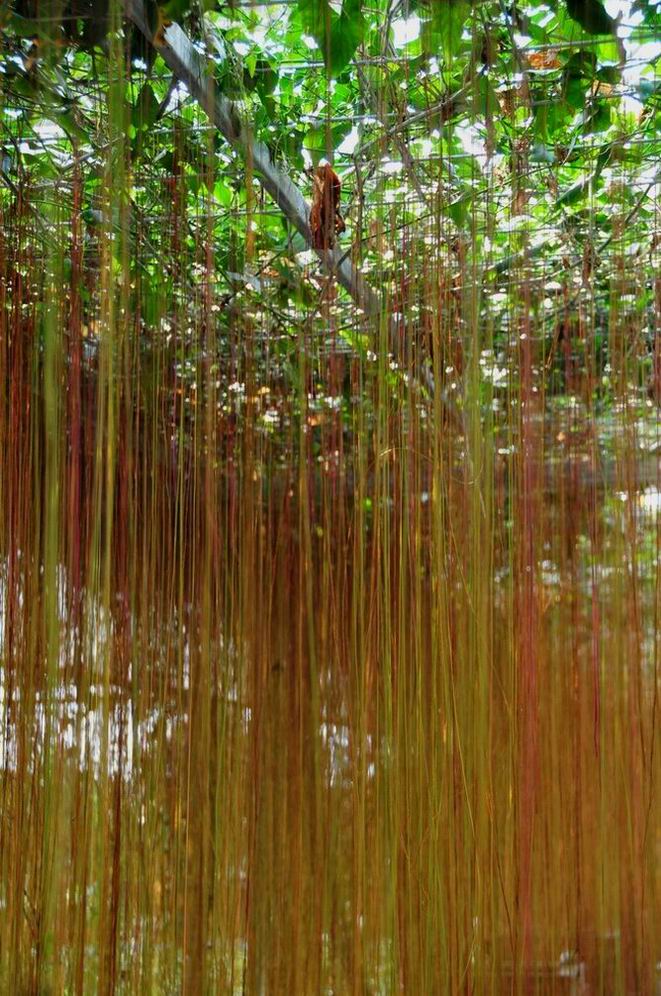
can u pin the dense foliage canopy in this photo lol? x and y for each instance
(510, 142)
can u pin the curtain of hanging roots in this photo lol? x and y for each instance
(309, 684)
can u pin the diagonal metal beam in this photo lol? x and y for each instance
(196, 73)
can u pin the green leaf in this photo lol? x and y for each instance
(338, 36)
(575, 92)
(319, 139)
(443, 29)
(651, 11)
(68, 123)
(579, 189)
(145, 109)
(577, 77)
(259, 75)
(581, 64)
(22, 27)
(599, 118)
(176, 10)
(649, 90)
(223, 193)
(458, 209)
(484, 98)
(592, 16)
